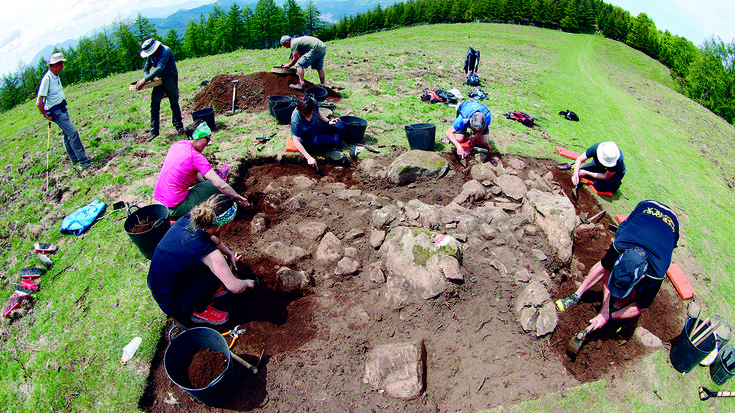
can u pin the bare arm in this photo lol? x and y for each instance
(456, 137)
(39, 105)
(295, 58)
(226, 189)
(576, 168)
(297, 143)
(216, 262)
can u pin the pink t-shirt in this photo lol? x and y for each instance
(178, 173)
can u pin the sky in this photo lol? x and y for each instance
(28, 26)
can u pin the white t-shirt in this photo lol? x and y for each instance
(51, 89)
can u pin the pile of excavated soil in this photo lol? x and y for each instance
(477, 355)
(252, 91)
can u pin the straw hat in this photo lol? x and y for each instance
(608, 154)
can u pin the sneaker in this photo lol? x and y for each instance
(297, 86)
(86, 164)
(151, 136)
(180, 131)
(564, 303)
(334, 155)
(210, 315)
(221, 291)
(223, 172)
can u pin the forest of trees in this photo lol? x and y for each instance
(705, 74)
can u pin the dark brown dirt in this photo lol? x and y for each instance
(477, 355)
(206, 365)
(252, 91)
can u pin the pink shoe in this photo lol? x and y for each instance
(223, 172)
(221, 291)
(210, 315)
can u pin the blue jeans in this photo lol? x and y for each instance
(171, 87)
(72, 143)
(610, 185)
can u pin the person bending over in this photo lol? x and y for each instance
(189, 266)
(606, 168)
(470, 128)
(306, 133)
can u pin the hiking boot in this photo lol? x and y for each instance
(564, 303)
(210, 315)
(151, 136)
(223, 172)
(180, 131)
(221, 292)
(86, 164)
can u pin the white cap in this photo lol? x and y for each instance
(285, 38)
(608, 154)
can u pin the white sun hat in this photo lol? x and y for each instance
(149, 47)
(608, 153)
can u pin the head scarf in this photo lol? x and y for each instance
(224, 218)
(202, 131)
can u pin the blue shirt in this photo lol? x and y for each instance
(654, 227)
(162, 62)
(465, 111)
(300, 127)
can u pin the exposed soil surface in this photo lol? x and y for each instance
(477, 355)
(206, 365)
(252, 91)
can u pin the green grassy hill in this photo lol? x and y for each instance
(64, 355)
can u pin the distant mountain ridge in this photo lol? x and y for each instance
(178, 18)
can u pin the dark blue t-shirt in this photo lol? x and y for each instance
(302, 128)
(176, 261)
(618, 168)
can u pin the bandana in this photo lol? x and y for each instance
(225, 217)
(202, 131)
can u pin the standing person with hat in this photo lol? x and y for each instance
(634, 266)
(606, 169)
(160, 62)
(305, 51)
(51, 103)
(470, 128)
(187, 178)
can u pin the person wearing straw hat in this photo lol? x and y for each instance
(305, 51)
(160, 63)
(470, 128)
(634, 266)
(189, 268)
(606, 169)
(51, 103)
(187, 178)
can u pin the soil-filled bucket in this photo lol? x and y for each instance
(146, 226)
(182, 348)
(719, 370)
(354, 129)
(206, 115)
(272, 100)
(684, 355)
(421, 136)
(282, 111)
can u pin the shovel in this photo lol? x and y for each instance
(575, 192)
(586, 220)
(705, 393)
(234, 91)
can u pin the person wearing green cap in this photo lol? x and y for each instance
(634, 266)
(187, 178)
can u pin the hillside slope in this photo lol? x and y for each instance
(63, 355)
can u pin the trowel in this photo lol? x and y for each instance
(576, 342)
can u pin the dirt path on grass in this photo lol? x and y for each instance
(477, 355)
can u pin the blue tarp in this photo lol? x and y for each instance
(78, 221)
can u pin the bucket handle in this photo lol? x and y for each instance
(172, 330)
(132, 206)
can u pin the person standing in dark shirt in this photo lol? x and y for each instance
(160, 63)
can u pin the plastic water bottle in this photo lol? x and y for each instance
(129, 350)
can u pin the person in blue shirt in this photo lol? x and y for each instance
(160, 63)
(470, 128)
(634, 266)
(308, 135)
(606, 168)
(189, 267)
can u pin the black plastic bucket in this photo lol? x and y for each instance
(684, 355)
(318, 92)
(354, 129)
(206, 115)
(283, 111)
(718, 369)
(178, 357)
(272, 100)
(421, 136)
(148, 240)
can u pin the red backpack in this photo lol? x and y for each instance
(524, 118)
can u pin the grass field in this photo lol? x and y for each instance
(64, 355)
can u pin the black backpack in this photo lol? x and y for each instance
(447, 96)
(569, 115)
(524, 118)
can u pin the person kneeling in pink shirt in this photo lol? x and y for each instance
(187, 178)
